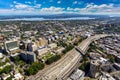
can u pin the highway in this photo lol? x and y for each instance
(61, 69)
(84, 45)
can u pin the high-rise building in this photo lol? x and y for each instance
(31, 46)
(28, 56)
(94, 67)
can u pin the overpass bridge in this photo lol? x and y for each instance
(83, 47)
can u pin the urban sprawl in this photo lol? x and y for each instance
(60, 50)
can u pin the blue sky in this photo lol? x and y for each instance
(38, 7)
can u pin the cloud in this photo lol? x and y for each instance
(78, 2)
(11, 5)
(6, 10)
(49, 10)
(37, 6)
(97, 9)
(103, 8)
(59, 2)
(22, 6)
(14, 2)
(81, 2)
(28, 2)
(73, 9)
(52, 9)
(19, 6)
(35, 1)
(75, 2)
(34, 8)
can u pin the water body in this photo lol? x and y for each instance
(42, 19)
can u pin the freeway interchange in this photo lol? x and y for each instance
(61, 69)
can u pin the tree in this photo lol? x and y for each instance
(7, 60)
(22, 63)
(111, 57)
(53, 59)
(85, 66)
(16, 58)
(6, 69)
(10, 78)
(34, 68)
(68, 48)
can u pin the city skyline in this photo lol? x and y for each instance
(37, 7)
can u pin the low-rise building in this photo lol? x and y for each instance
(42, 51)
(5, 76)
(116, 75)
(1, 55)
(117, 66)
(94, 55)
(11, 45)
(59, 50)
(18, 76)
(1, 39)
(117, 57)
(106, 76)
(77, 75)
(42, 42)
(52, 45)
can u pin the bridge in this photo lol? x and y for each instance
(61, 69)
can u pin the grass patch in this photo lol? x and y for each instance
(47, 56)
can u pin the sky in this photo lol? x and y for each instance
(44, 7)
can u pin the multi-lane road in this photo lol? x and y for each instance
(61, 69)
